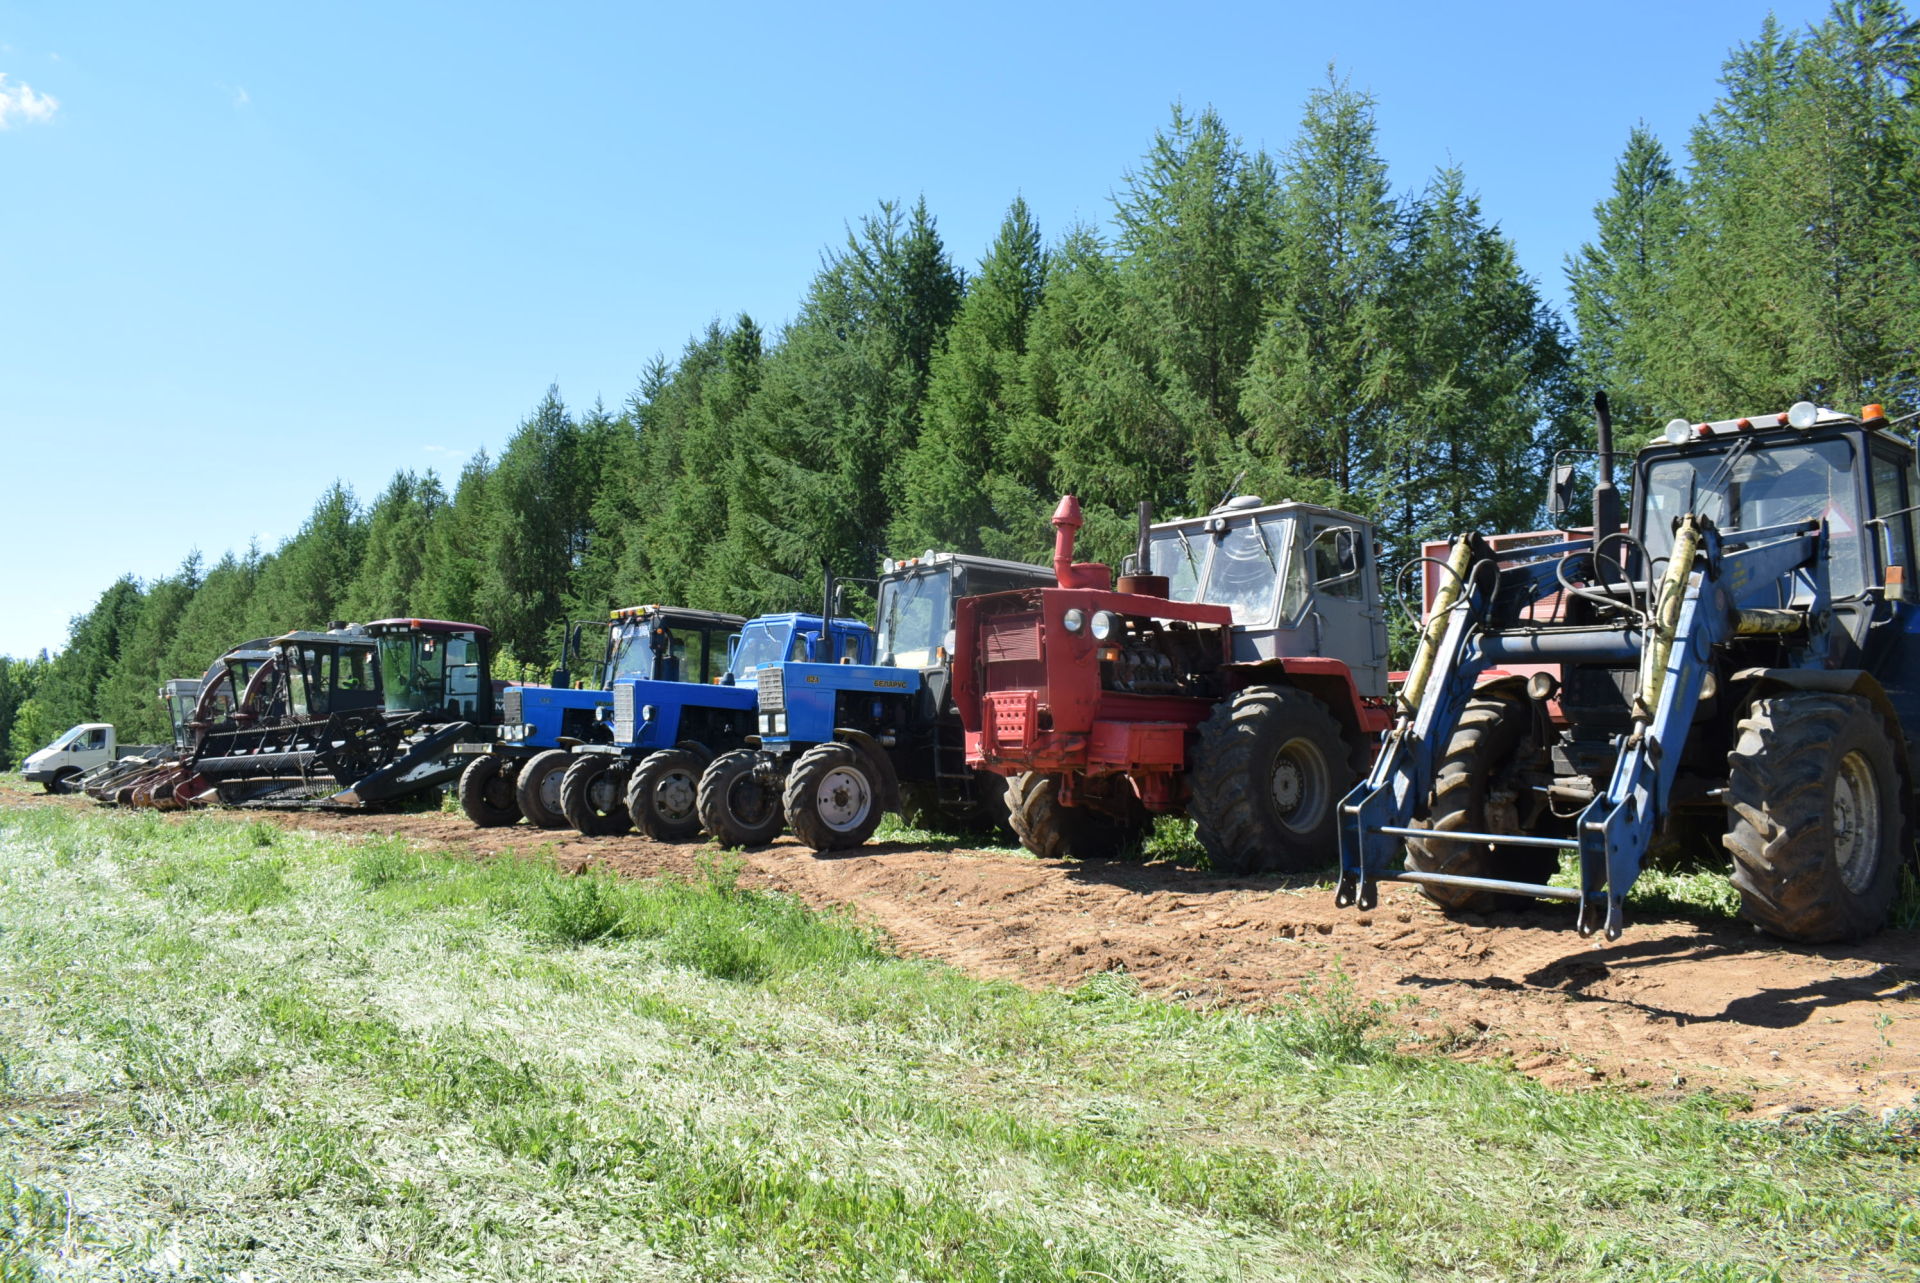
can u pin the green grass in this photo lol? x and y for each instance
(231, 1048)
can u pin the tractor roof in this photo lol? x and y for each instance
(427, 626)
(1242, 506)
(303, 637)
(800, 619)
(680, 615)
(932, 558)
(1804, 416)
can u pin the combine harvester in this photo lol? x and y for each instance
(1741, 662)
(372, 715)
(1243, 682)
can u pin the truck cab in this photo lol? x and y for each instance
(59, 766)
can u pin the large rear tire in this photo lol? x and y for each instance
(486, 792)
(537, 789)
(1053, 830)
(593, 794)
(1478, 789)
(832, 797)
(1272, 765)
(740, 799)
(663, 797)
(1817, 822)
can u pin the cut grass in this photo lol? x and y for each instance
(235, 1048)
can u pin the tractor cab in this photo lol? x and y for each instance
(917, 596)
(427, 665)
(1300, 579)
(325, 672)
(181, 695)
(666, 644)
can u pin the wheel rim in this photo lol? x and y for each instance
(674, 796)
(549, 791)
(1299, 785)
(843, 798)
(603, 793)
(751, 804)
(1856, 822)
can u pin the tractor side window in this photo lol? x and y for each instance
(1890, 495)
(1180, 556)
(463, 671)
(1329, 565)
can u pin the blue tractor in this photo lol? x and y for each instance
(695, 708)
(1737, 670)
(522, 770)
(844, 739)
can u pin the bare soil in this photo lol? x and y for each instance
(1675, 1006)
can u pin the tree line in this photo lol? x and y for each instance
(1296, 318)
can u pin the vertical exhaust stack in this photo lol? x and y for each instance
(1066, 571)
(1606, 500)
(1143, 581)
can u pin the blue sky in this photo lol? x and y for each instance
(252, 248)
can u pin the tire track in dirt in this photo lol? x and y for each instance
(1673, 1006)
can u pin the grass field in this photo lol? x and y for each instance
(232, 1052)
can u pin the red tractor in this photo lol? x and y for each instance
(1241, 678)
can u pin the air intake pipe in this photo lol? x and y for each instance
(1066, 571)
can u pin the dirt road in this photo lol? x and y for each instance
(1674, 1006)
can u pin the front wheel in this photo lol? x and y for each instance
(1053, 830)
(1268, 775)
(593, 794)
(1482, 785)
(1817, 823)
(486, 792)
(832, 798)
(663, 797)
(740, 799)
(538, 788)
(66, 780)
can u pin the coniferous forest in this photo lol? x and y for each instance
(1334, 332)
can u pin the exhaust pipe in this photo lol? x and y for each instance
(1066, 571)
(1606, 499)
(1143, 581)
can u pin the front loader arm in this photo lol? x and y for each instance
(1446, 667)
(1699, 606)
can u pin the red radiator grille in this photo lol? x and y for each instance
(1008, 639)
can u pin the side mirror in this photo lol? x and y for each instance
(1559, 488)
(1336, 556)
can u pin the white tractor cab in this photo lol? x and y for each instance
(59, 765)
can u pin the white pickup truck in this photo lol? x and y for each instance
(60, 764)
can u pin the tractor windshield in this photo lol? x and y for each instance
(1245, 570)
(914, 613)
(1766, 486)
(629, 652)
(421, 671)
(759, 644)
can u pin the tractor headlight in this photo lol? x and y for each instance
(1803, 414)
(648, 712)
(1073, 621)
(1678, 431)
(1105, 624)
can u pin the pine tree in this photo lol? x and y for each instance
(975, 394)
(535, 529)
(306, 581)
(457, 548)
(1619, 282)
(399, 525)
(1322, 388)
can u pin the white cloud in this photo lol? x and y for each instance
(20, 102)
(240, 96)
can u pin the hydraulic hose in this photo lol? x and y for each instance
(1666, 617)
(1435, 628)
